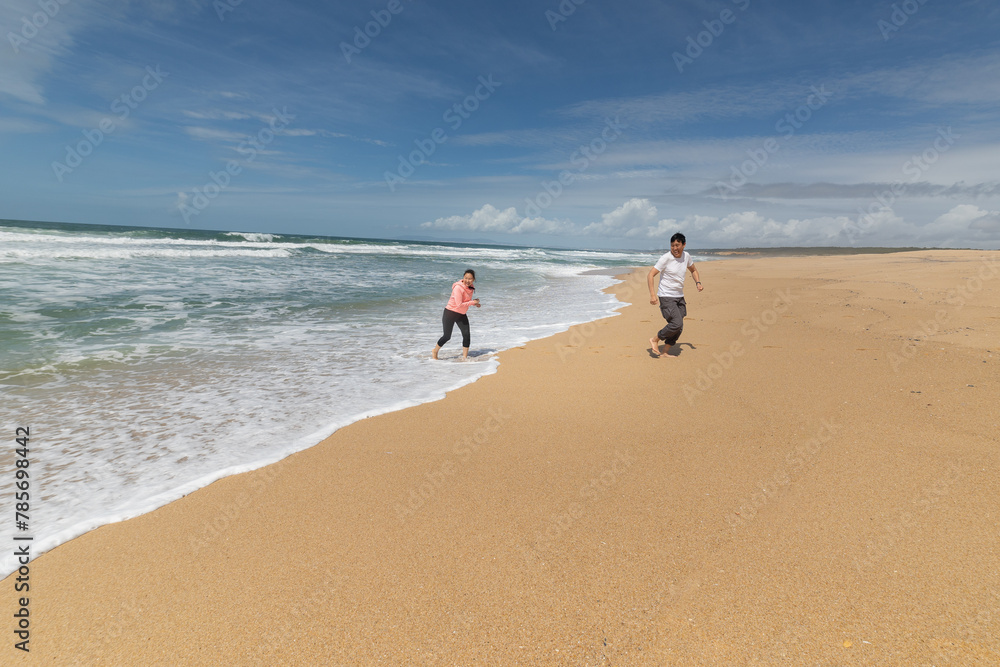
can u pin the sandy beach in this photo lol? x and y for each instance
(810, 479)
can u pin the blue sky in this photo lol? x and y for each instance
(583, 123)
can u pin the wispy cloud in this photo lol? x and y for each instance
(533, 138)
(968, 79)
(212, 134)
(216, 114)
(29, 52)
(965, 80)
(856, 190)
(301, 132)
(709, 104)
(21, 125)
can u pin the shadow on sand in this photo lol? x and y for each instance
(674, 351)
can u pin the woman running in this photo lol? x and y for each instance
(454, 313)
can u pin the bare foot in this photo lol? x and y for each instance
(434, 352)
(655, 344)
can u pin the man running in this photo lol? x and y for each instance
(670, 293)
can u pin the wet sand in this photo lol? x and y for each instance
(810, 478)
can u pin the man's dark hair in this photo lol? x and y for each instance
(678, 237)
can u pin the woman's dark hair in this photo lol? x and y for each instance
(472, 272)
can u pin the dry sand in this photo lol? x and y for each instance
(827, 495)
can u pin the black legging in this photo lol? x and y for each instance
(449, 320)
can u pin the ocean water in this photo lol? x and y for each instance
(150, 362)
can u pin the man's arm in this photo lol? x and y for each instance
(650, 277)
(697, 280)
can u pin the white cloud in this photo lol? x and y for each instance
(749, 228)
(635, 214)
(967, 216)
(508, 221)
(639, 220)
(961, 216)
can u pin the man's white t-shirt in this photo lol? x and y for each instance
(672, 274)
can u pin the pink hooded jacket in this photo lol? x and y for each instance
(461, 298)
